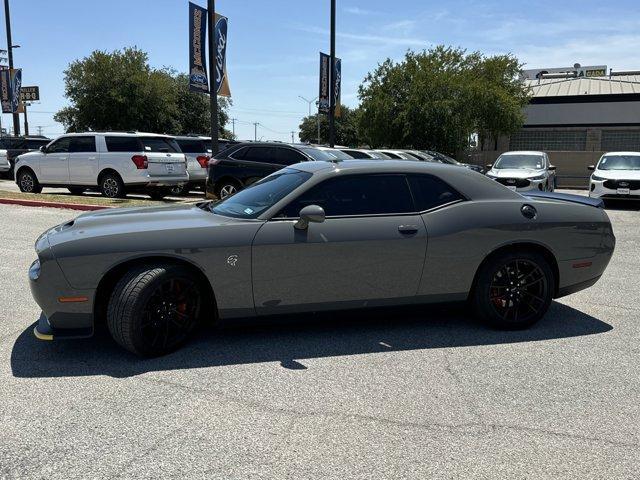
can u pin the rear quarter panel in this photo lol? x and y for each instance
(462, 235)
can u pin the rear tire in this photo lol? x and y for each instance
(154, 309)
(179, 190)
(112, 186)
(158, 193)
(513, 290)
(28, 182)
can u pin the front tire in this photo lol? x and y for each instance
(514, 290)
(226, 188)
(112, 186)
(153, 310)
(28, 182)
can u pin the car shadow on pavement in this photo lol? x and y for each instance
(291, 339)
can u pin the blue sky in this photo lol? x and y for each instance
(273, 46)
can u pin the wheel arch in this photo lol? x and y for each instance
(23, 168)
(115, 273)
(520, 246)
(107, 170)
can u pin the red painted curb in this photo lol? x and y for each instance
(42, 203)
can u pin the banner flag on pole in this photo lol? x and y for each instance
(325, 81)
(337, 72)
(198, 80)
(10, 85)
(222, 78)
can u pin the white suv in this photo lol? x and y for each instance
(524, 171)
(114, 163)
(616, 176)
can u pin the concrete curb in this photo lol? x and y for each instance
(42, 203)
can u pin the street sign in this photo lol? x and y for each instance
(30, 94)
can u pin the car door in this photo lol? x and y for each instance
(83, 160)
(370, 249)
(252, 163)
(54, 164)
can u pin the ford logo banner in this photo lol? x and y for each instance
(222, 81)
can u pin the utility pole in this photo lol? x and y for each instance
(233, 126)
(7, 17)
(255, 131)
(292, 133)
(26, 119)
(213, 92)
(40, 129)
(332, 88)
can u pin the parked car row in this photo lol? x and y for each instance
(245, 163)
(116, 163)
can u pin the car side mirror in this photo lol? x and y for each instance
(489, 166)
(43, 149)
(591, 167)
(310, 214)
(552, 168)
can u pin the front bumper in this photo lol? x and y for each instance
(66, 311)
(598, 190)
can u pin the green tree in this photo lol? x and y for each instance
(436, 99)
(120, 91)
(346, 128)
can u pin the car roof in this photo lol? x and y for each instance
(622, 153)
(523, 152)
(374, 166)
(120, 134)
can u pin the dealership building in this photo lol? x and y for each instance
(575, 115)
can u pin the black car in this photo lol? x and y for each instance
(245, 163)
(442, 158)
(18, 145)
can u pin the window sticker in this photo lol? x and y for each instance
(248, 211)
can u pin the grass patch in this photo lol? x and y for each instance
(87, 199)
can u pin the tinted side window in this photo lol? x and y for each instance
(123, 144)
(36, 144)
(59, 146)
(356, 195)
(259, 154)
(356, 154)
(430, 192)
(160, 144)
(192, 146)
(286, 156)
(83, 144)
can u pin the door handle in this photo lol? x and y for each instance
(408, 229)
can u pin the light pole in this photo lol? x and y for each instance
(10, 47)
(332, 88)
(309, 102)
(213, 92)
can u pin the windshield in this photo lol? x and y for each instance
(441, 157)
(252, 201)
(325, 155)
(620, 162)
(519, 161)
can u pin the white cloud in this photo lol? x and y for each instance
(360, 11)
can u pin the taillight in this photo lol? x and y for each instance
(203, 160)
(140, 161)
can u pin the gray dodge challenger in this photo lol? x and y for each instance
(318, 236)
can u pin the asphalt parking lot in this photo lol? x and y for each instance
(426, 393)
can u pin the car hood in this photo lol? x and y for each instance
(515, 173)
(618, 174)
(120, 223)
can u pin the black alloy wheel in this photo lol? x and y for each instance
(514, 289)
(154, 309)
(518, 290)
